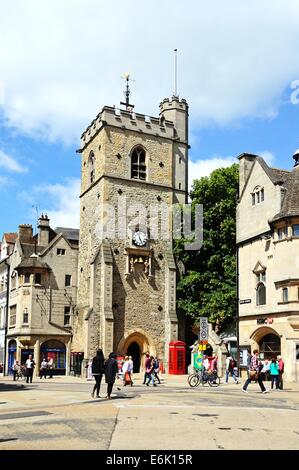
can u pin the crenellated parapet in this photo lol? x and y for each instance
(130, 121)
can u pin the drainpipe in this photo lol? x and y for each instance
(6, 314)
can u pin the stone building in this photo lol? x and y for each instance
(6, 248)
(42, 294)
(126, 273)
(268, 261)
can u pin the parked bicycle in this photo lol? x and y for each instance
(203, 377)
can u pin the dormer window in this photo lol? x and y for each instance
(138, 166)
(257, 196)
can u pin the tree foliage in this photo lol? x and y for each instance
(208, 287)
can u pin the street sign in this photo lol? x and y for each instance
(202, 347)
(204, 329)
(245, 301)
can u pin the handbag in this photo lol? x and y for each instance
(127, 378)
(253, 375)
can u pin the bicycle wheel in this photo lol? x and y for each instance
(193, 380)
(214, 381)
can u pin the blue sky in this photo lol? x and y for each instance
(235, 71)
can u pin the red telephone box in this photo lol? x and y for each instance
(177, 357)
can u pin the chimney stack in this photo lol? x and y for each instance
(43, 230)
(25, 233)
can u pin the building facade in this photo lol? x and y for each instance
(42, 295)
(133, 168)
(268, 261)
(6, 249)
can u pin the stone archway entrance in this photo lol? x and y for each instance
(134, 351)
(269, 346)
(136, 343)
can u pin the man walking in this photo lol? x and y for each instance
(97, 370)
(254, 374)
(30, 364)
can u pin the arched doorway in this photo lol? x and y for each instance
(134, 351)
(12, 351)
(269, 346)
(56, 350)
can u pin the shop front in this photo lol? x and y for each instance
(55, 350)
(273, 335)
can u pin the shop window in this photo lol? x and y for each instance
(285, 294)
(67, 316)
(269, 346)
(68, 280)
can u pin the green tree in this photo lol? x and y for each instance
(208, 287)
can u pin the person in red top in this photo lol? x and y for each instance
(281, 371)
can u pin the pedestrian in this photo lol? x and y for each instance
(89, 369)
(43, 369)
(30, 364)
(147, 367)
(97, 369)
(111, 369)
(50, 367)
(230, 365)
(127, 370)
(265, 370)
(274, 371)
(131, 368)
(150, 372)
(254, 374)
(156, 368)
(281, 371)
(15, 369)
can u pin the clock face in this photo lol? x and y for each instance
(139, 238)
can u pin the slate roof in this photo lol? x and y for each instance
(33, 262)
(69, 233)
(290, 203)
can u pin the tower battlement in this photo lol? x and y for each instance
(111, 116)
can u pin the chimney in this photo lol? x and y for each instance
(43, 230)
(246, 162)
(25, 233)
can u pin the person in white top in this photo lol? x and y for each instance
(43, 369)
(127, 370)
(30, 364)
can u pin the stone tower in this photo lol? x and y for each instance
(126, 272)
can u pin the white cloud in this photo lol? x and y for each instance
(205, 167)
(267, 156)
(62, 61)
(10, 164)
(63, 204)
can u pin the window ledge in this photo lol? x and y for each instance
(288, 302)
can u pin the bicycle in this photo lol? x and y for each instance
(21, 373)
(203, 377)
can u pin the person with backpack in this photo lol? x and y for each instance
(230, 368)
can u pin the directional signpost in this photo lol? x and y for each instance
(204, 329)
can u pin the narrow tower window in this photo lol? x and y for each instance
(138, 166)
(91, 167)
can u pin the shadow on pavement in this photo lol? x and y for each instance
(11, 387)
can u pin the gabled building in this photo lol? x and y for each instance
(268, 261)
(43, 288)
(6, 249)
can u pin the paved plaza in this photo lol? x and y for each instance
(60, 414)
